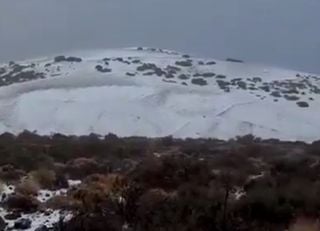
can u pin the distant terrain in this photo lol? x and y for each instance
(156, 92)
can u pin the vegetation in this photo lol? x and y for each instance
(168, 184)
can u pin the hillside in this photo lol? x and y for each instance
(155, 93)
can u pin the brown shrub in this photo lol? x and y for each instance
(62, 202)
(81, 167)
(28, 187)
(44, 177)
(97, 188)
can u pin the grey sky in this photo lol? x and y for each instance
(279, 32)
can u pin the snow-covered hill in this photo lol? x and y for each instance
(155, 92)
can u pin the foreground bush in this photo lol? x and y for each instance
(167, 184)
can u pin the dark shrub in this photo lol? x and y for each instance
(302, 104)
(184, 63)
(291, 97)
(103, 70)
(22, 203)
(211, 63)
(183, 77)
(221, 76)
(208, 74)
(199, 81)
(234, 60)
(276, 94)
(62, 58)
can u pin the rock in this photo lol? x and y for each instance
(42, 228)
(22, 223)
(3, 224)
(12, 216)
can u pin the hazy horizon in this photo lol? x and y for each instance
(281, 33)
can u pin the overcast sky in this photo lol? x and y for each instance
(279, 32)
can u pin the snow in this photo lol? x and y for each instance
(81, 100)
(37, 219)
(48, 218)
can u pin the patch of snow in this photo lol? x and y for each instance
(74, 182)
(47, 218)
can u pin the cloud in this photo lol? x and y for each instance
(283, 33)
